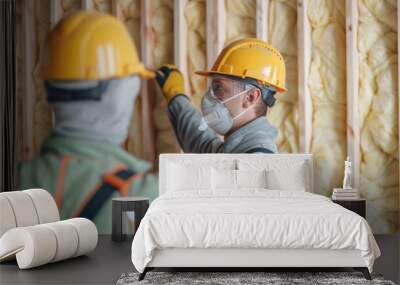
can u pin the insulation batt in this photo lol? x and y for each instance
(195, 15)
(102, 5)
(162, 53)
(130, 15)
(70, 6)
(240, 19)
(282, 35)
(327, 85)
(378, 101)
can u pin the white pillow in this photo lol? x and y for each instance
(181, 177)
(282, 173)
(294, 179)
(251, 178)
(224, 179)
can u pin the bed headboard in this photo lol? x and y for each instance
(227, 160)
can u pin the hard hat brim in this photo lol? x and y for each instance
(210, 73)
(147, 74)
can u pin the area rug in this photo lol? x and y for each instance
(230, 278)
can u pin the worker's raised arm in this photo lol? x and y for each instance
(193, 136)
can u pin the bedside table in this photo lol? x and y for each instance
(138, 205)
(358, 206)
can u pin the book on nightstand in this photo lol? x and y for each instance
(345, 194)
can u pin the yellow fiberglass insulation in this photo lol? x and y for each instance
(240, 19)
(103, 6)
(162, 53)
(282, 35)
(70, 6)
(195, 15)
(130, 15)
(327, 85)
(130, 12)
(378, 98)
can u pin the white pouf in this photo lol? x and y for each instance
(31, 232)
(26, 208)
(40, 244)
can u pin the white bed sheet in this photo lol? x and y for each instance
(252, 218)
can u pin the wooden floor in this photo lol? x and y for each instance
(110, 260)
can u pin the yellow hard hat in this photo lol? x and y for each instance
(88, 45)
(251, 58)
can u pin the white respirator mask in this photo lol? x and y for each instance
(216, 115)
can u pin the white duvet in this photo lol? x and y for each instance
(250, 219)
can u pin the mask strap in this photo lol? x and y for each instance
(241, 113)
(244, 111)
(234, 96)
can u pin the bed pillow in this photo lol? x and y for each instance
(294, 180)
(282, 173)
(182, 178)
(224, 179)
(251, 179)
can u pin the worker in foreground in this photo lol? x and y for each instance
(92, 77)
(244, 80)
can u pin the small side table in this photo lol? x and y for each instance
(138, 205)
(358, 206)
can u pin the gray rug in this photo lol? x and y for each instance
(230, 278)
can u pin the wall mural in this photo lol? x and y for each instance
(378, 94)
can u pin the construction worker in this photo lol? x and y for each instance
(244, 79)
(92, 77)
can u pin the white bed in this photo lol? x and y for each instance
(213, 211)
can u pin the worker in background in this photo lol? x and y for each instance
(244, 79)
(92, 77)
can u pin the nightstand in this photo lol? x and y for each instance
(358, 206)
(120, 205)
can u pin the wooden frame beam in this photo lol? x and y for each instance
(86, 4)
(352, 83)
(28, 104)
(304, 59)
(215, 19)
(56, 12)
(147, 101)
(180, 44)
(180, 39)
(262, 16)
(398, 87)
(116, 9)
